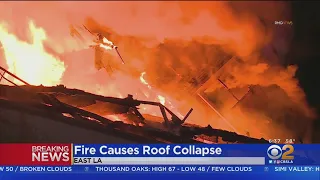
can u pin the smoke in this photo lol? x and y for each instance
(175, 41)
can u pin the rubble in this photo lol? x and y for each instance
(47, 101)
(89, 111)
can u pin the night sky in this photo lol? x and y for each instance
(305, 53)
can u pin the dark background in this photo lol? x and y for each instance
(304, 51)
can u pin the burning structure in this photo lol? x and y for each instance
(39, 112)
(226, 72)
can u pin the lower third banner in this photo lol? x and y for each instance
(160, 169)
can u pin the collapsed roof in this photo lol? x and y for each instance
(89, 111)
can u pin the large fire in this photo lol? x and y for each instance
(164, 43)
(37, 66)
(30, 60)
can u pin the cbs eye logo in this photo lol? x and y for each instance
(276, 152)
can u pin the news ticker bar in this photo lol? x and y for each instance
(155, 154)
(158, 169)
(169, 160)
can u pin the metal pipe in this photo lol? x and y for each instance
(10, 81)
(116, 49)
(3, 69)
(2, 75)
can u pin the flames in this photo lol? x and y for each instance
(35, 65)
(152, 64)
(160, 98)
(30, 60)
(143, 91)
(108, 45)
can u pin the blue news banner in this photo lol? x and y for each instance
(198, 161)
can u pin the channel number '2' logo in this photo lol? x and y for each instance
(276, 152)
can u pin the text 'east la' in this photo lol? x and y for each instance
(87, 160)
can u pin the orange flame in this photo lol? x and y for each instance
(107, 44)
(235, 28)
(160, 98)
(30, 60)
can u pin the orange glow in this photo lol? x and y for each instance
(169, 47)
(30, 60)
(106, 44)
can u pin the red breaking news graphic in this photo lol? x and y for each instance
(35, 154)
